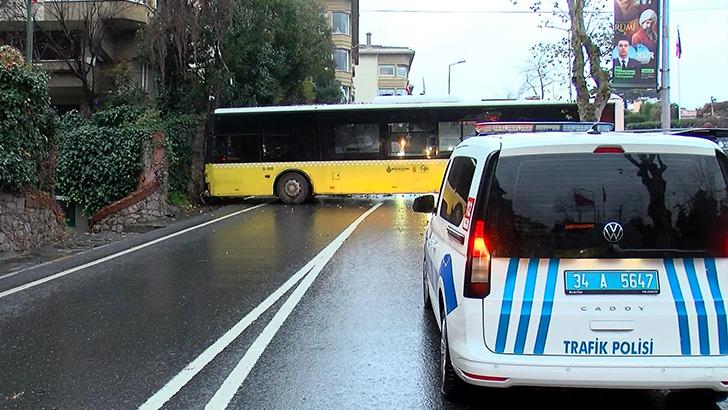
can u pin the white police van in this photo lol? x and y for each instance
(580, 260)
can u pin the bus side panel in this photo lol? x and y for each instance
(383, 177)
(239, 179)
(329, 177)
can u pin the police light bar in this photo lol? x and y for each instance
(488, 127)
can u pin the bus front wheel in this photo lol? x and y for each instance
(292, 188)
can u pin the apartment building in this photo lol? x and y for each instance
(382, 71)
(75, 41)
(343, 16)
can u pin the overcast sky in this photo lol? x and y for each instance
(495, 41)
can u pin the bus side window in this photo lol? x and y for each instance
(351, 141)
(449, 133)
(235, 148)
(290, 138)
(412, 139)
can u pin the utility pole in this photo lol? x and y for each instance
(29, 32)
(665, 53)
(449, 68)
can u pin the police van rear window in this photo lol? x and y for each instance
(656, 205)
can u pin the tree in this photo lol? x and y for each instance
(245, 52)
(277, 52)
(74, 32)
(538, 74)
(587, 45)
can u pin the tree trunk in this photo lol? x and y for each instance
(586, 52)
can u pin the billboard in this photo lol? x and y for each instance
(636, 42)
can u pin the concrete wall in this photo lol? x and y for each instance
(366, 79)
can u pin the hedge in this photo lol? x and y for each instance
(27, 125)
(101, 158)
(651, 125)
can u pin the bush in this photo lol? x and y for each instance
(100, 158)
(27, 125)
(653, 125)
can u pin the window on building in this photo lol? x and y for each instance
(402, 71)
(386, 70)
(341, 23)
(341, 59)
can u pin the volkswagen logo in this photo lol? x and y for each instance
(613, 232)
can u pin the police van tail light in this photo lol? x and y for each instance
(477, 271)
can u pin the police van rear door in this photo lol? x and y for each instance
(608, 253)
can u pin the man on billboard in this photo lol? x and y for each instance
(623, 62)
(627, 10)
(647, 33)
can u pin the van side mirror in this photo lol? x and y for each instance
(424, 204)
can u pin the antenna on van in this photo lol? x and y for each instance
(594, 130)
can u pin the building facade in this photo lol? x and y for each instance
(382, 71)
(76, 41)
(343, 16)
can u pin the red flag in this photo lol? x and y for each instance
(678, 45)
(581, 200)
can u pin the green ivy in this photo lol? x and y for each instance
(179, 129)
(101, 158)
(27, 125)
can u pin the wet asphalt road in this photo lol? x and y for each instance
(113, 334)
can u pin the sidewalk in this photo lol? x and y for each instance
(75, 242)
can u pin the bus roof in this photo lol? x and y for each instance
(394, 106)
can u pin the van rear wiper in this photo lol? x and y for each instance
(618, 249)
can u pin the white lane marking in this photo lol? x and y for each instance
(235, 379)
(182, 378)
(122, 253)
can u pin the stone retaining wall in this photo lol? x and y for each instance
(148, 203)
(149, 209)
(28, 221)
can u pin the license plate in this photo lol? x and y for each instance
(611, 282)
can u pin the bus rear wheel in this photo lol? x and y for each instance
(293, 188)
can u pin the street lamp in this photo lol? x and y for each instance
(449, 68)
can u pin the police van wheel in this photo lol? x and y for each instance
(450, 383)
(292, 188)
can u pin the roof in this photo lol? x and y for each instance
(399, 104)
(377, 49)
(567, 142)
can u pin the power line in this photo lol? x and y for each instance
(521, 11)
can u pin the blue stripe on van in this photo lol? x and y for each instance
(451, 299)
(682, 314)
(548, 303)
(505, 313)
(699, 306)
(712, 272)
(526, 305)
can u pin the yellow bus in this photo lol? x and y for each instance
(295, 152)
